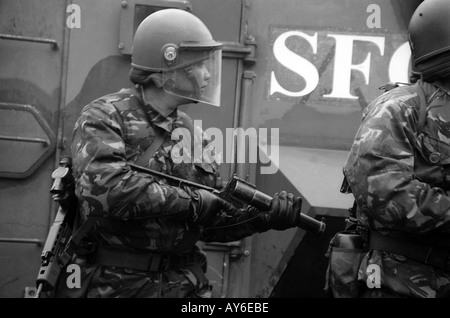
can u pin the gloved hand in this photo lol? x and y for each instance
(206, 205)
(284, 212)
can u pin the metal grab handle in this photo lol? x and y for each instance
(26, 139)
(21, 240)
(52, 42)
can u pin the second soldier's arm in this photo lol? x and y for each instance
(380, 170)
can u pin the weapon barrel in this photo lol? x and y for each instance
(311, 225)
(166, 176)
(246, 192)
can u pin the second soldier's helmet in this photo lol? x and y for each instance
(172, 42)
(429, 38)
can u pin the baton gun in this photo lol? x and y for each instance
(241, 193)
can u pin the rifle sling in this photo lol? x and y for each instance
(144, 158)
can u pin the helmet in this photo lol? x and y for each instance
(175, 43)
(429, 36)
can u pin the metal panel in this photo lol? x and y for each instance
(27, 139)
(299, 38)
(295, 39)
(308, 170)
(31, 54)
(272, 250)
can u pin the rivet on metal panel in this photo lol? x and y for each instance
(121, 46)
(124, 4)
(30, 292)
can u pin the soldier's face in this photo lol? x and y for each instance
(196, 80)
(199, 80)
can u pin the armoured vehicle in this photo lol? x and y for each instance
(296, 75)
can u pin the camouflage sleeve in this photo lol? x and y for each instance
(228, 228)
(380, 170)
(104, 182)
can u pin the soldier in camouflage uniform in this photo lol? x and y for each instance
(143, 243)
(398, 170)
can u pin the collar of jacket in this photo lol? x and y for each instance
(168, 123)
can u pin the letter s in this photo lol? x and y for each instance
(295, 63)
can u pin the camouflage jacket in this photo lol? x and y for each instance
(400, 178)
(140, 212)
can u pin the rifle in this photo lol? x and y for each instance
(55, 256)
(241, 193)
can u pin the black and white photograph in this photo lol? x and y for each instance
(234, 156)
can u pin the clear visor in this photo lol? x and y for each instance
(196, 76)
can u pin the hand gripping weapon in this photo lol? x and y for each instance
(241, 193)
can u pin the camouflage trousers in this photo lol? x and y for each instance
(382, 274)
(111, 282)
